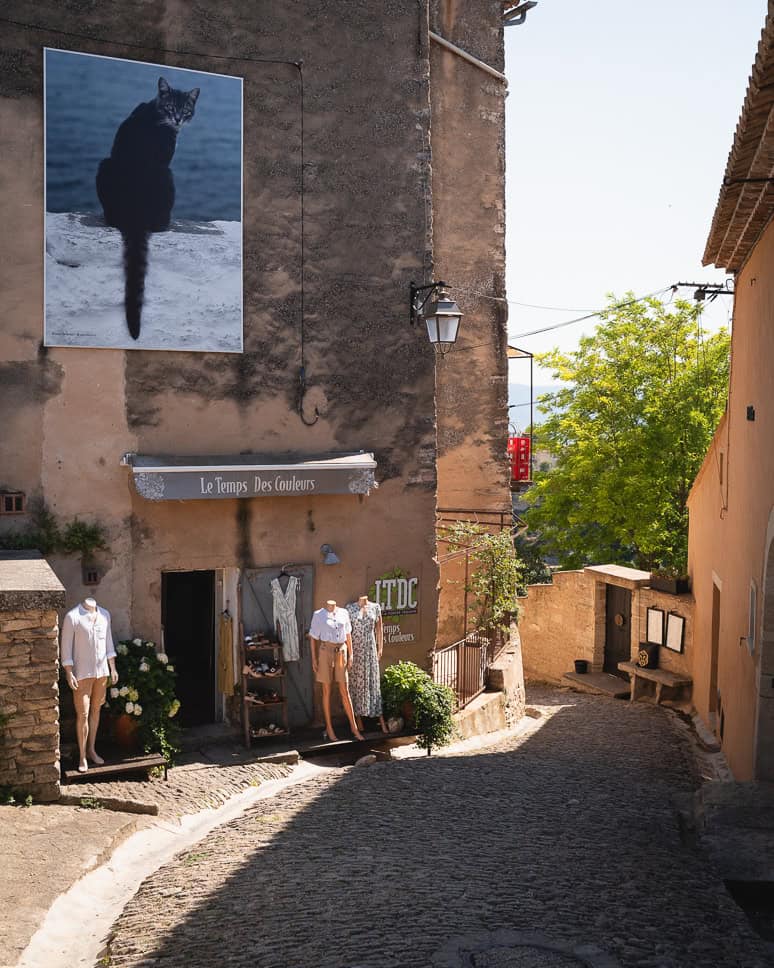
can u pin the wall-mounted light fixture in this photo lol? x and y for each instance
(329, 555)
(441, 314)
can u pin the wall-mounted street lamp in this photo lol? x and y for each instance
(441, 314)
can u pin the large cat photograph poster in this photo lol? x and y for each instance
(143, 210)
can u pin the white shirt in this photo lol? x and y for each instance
(332, 626)
(87, 642)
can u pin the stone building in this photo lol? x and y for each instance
(372, 157)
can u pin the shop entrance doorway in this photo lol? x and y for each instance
(258, 616)
(188, 619)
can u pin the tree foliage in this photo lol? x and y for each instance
(630, 427)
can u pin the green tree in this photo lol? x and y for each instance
(629, 430)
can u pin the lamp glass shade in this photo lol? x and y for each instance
(443, 320)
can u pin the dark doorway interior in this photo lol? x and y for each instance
(617, 628)
(188, 618)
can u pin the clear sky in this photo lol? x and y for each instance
(619, 121)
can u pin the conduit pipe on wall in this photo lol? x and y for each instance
(441, 41)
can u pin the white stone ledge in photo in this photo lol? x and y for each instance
(193, 286)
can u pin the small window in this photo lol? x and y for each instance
(90, 575)
(752, 616)
(12, 503)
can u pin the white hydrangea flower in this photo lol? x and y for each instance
(144, 666)
(136, 641)
(114, 693)
(129, 707)
(123, 691)
(121, 649)
(134, 695)
(151, 645)
(163, 657)
(170, 668)
(137, 709)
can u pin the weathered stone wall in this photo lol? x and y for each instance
(29, 697)
(557, 625)
(70, 413)
(467, 136)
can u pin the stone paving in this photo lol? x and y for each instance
(568, 833)
(188, 789)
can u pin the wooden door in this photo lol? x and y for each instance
(618, 631)
(188, 617)
(257, 613)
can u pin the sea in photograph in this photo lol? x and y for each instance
(88, 97)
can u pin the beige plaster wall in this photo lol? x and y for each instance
(729, 518)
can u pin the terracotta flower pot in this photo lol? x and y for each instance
(124, 732)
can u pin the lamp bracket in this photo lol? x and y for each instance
(416, 306)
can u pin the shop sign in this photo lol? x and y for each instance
(156, 482)
(398, 594)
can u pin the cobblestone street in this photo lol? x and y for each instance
(568, 834)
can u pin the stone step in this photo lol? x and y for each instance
(599, 682)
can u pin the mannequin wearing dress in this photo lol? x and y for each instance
(367, 645)
(88, 659)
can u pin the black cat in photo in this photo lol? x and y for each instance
(135, 184)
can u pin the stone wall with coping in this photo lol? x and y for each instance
(557, 624)
(566, 620)
(30, 595)
(29, 698)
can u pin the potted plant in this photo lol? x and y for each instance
(400, 682)
(433, 708)
(143, 704)
(671, 580)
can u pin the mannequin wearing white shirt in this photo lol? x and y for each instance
(331, 635)
(88, 658)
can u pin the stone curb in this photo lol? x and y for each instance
(108, 803)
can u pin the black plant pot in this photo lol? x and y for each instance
(673, 586)
(581, 666)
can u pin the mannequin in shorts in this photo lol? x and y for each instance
(331, 635)
(88, 659)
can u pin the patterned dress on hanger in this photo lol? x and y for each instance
(285, 617)
(364, 685)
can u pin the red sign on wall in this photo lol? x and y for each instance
(518, 453)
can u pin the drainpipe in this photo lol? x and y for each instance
(442, 42)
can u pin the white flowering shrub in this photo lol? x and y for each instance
(146, 691)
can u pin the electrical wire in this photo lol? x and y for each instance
(598, 312)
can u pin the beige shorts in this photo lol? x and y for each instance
(331, 662)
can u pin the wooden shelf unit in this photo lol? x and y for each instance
(262, 649)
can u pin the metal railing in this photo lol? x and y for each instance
(463, 665)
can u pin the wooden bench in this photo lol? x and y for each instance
(660, 676)
(132, 764)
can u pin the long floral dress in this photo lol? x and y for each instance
(364, 685)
